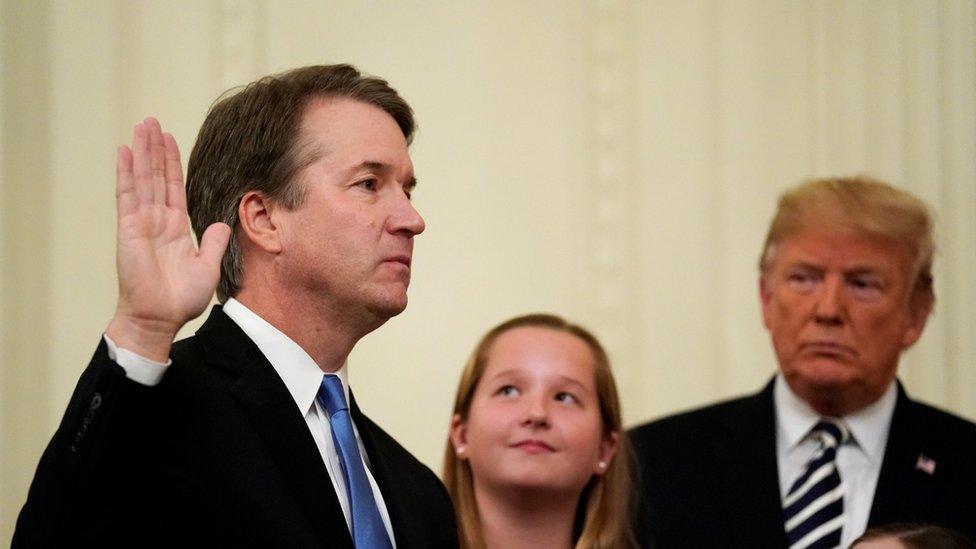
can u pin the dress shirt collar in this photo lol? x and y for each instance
(295, 367)
(869, 426)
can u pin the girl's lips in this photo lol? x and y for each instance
(533, 446)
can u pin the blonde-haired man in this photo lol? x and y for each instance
(832, 444)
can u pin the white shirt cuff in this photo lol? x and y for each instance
(137, 368)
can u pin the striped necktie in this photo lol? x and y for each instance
(813, 510)
(368, 531)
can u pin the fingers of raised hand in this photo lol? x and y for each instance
(125, 194)
(154, 174)
(157, 160)
(175, 193)
(141, 170)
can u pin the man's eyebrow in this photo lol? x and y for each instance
(855, 270)
(805, 264)
(372, 165)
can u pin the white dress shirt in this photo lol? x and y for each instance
(858, 461)
(301, 377)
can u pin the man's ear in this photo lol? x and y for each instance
(919, 309)
(459, 436)
(255, 217)
(765, 298)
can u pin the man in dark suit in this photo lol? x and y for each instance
(832, 444)
(241, 435)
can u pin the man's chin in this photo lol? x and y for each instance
(826, 371)
(822, 374)
(389, 306)
(827, 386)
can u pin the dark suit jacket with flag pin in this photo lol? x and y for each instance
(709, 476)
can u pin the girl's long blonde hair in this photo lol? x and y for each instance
(605, 510)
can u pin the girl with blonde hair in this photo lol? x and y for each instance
(537, 455)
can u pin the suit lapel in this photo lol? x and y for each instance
(266, 400)
(749, 474)
(904, 487)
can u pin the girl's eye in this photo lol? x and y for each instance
(508, 390)
(565, 397)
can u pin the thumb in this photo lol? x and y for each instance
(214, 243)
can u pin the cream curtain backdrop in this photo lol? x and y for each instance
(614, 162)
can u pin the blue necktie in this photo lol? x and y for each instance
(368, 531)
(814, 506)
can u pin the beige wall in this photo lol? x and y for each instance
(615, 162)
(3, 264)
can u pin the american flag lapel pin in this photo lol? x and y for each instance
(925, 464)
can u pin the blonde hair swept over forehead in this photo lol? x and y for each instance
(860, 205)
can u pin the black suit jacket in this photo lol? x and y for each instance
(216, 455)
(709, 476)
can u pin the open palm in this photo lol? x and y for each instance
(164, 281)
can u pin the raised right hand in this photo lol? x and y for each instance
(164, 281)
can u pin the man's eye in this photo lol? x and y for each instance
(866, 287)
(368, 184)
(801, 281)
(865, 283)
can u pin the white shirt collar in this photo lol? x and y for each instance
(869, 426)
(295, 367)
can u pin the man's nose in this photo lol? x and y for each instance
(829, 305)
(405, 217)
